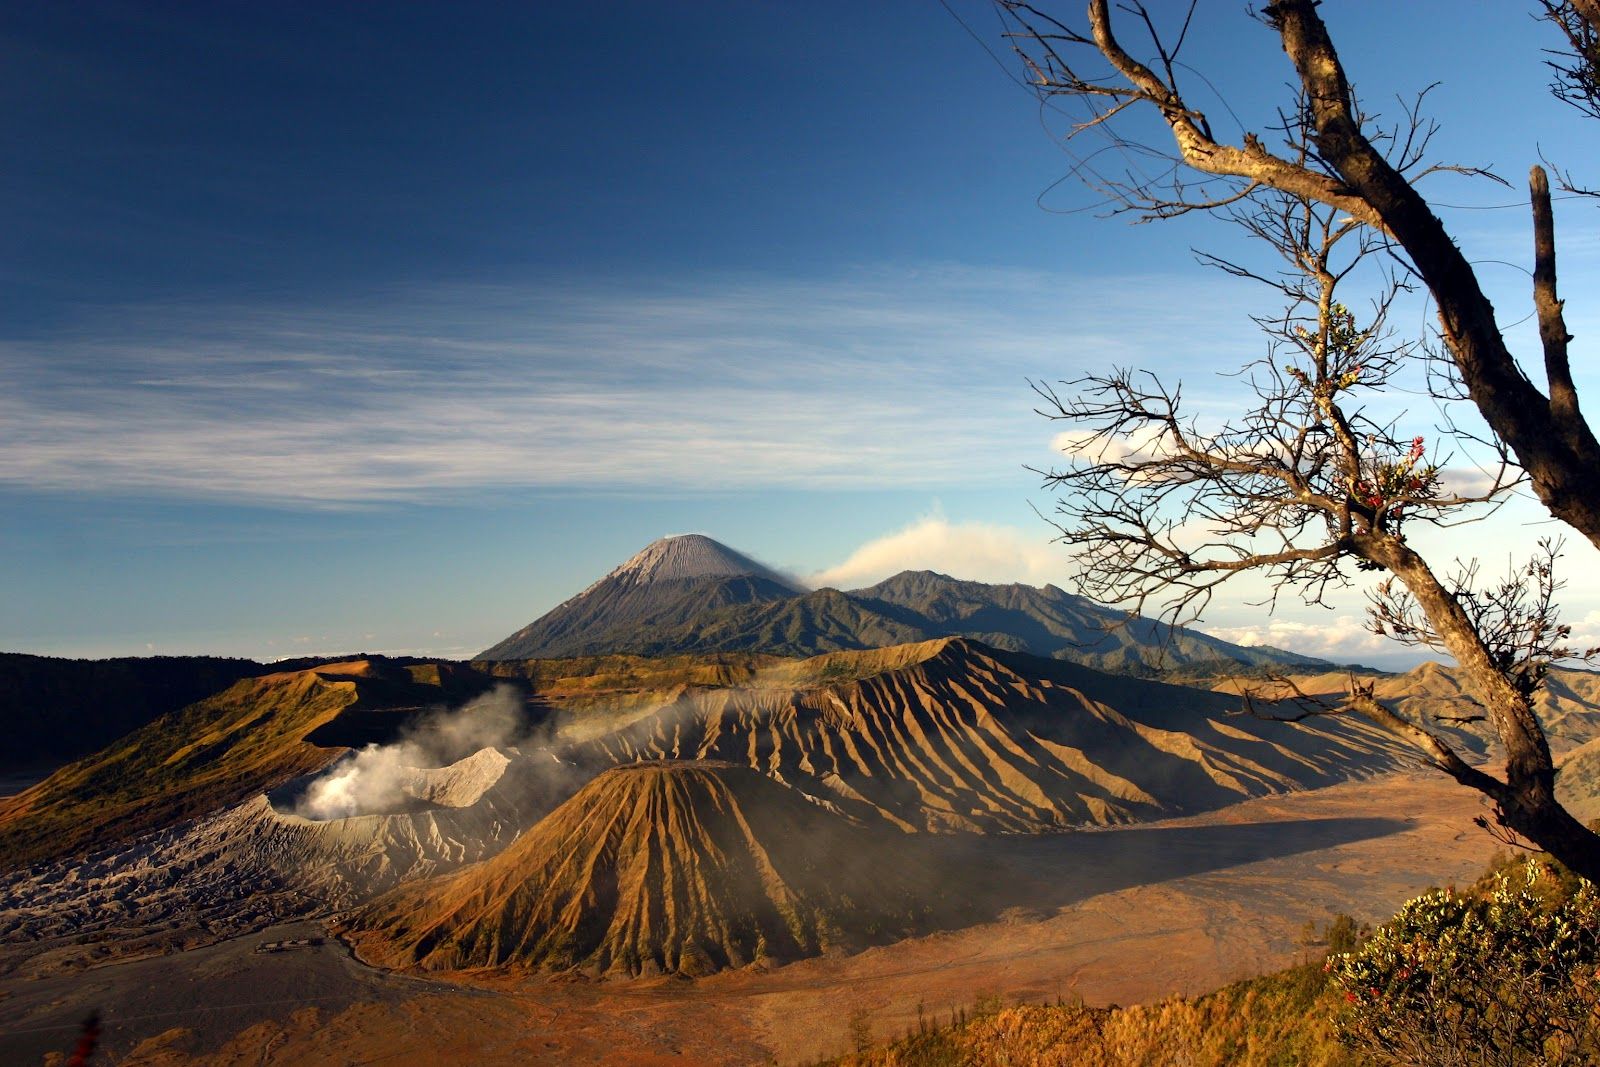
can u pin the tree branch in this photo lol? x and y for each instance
(1552, 324)
(1200, 151)
(1564, 470)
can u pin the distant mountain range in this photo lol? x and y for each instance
(691, 594)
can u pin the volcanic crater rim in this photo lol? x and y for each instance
(450, 787)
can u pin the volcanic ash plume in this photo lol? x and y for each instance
(381, 778)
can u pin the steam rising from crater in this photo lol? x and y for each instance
(384, 778)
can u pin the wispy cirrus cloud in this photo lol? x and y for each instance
(905, 378)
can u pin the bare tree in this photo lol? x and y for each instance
(1348, 169)
(1309, 482)
(1576, 69)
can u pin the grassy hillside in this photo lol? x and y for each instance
(1291, 1018)
(54, 710)
(1279, 1020)
(251, 736)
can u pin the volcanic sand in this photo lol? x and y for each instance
(1114, 916)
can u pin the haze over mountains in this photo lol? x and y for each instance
(689, 593)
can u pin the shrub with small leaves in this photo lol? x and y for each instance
(1507, 977)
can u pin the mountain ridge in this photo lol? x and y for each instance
(667, 583)
(953, 735)
(692, 556)
(255, 734)
(656, 606)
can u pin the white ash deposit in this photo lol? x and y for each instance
(376, 781)
(253, 864)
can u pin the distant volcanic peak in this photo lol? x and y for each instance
(691, 556)
(688, 593)
(663, 590)
(916, 580)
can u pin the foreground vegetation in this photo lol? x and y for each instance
(1275, 1021)
(1505, 973)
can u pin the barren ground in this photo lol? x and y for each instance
(1119, 916)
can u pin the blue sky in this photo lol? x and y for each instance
(387, 327)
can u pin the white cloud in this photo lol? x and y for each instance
(1343, 638)
(1586, 632)
(970, 550)
(1143, 444)
(1471, 481)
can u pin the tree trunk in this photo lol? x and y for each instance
(1561, 456)
(1526, 800)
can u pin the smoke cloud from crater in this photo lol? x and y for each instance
(386, 778)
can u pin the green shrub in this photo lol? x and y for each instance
(1506, 976)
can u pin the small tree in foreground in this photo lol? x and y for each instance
(1309, 485)
(1507, 978)
(1312, 480)
(1368, 172)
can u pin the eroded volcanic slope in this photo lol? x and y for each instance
(955, 735)
(945, 735)
(1442, 697)
(260, 862)
(665, 867)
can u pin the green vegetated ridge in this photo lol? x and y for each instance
(55, 710)
(245, 739)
